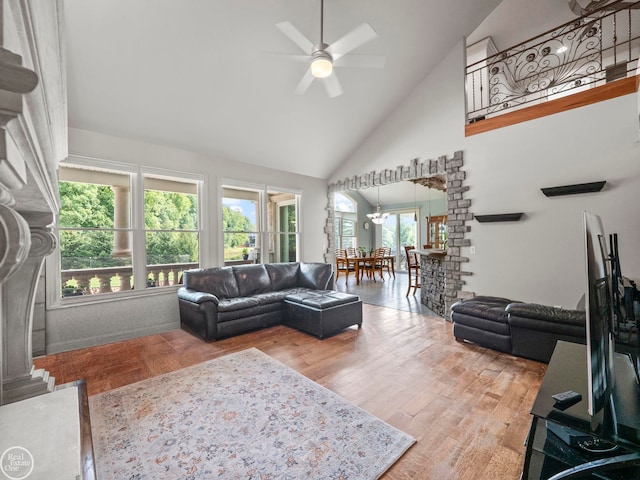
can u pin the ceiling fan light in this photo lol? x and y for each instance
(321, 67)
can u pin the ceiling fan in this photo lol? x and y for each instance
(323, 57)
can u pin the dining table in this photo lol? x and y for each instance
(359, 262)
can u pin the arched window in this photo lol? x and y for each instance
(346, 221)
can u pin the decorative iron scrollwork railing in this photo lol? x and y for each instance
(596, 48)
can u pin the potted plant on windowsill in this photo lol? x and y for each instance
(245, 254)
(70, 290)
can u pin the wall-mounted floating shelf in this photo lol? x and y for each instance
(573, 189)
(502, 217)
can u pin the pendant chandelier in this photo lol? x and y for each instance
(378, 217)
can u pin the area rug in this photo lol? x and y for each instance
(241, 416)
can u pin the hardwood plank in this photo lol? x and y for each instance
(468, 407)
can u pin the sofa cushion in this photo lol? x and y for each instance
(220, 282)
(283, 275)
(315, 275)
(239, 303)
(490, 308)
(545, 313)
(252, 279)
(321, 299)
(271, 297)
(256, 311)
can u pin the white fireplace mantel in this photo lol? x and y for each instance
(33, 140)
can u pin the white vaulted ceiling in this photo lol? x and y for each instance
(208, 75)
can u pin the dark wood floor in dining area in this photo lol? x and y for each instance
(390, 292)
(467, 407)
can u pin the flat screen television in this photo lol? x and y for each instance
(599, 327)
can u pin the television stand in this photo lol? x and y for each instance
(600, 466)
(552, 444)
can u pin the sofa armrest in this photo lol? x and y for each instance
(196, 297)
(546, 313)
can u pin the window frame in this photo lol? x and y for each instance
(340, 216)
(137, 228)
(263, 233)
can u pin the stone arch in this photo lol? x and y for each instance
(458, 210)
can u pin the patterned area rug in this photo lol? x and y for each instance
(242, 416)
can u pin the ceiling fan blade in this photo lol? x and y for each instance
(332, 84)
(362, 61)
(304, 84)
(294, 34)
(352, 40)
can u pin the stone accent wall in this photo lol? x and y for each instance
(433, 284)
(459, 212)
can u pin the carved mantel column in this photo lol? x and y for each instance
(18, 294)
(15, 236)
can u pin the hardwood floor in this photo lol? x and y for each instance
(468, 407)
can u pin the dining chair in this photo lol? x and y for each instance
(386, 262)
(343, 264)
(375, 264)
(351, 252)
(413, 266)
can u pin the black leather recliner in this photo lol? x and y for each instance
(523, 329)
(484, 321)
(535, 329)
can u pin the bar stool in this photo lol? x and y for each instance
(412, 266)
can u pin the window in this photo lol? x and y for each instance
(259, 225)
(171, 228)
(240, 225)
(105, 247)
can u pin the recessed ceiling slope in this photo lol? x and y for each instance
(195, 74)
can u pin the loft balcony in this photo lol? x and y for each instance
(587, 60)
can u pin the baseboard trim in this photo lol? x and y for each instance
(78, 343)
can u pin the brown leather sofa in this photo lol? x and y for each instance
(221, 302)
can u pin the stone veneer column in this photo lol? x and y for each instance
(458, 213)
(433, 283)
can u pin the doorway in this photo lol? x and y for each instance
(400, 228)
(451, 170)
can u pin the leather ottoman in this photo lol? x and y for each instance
(322, 313)
(484, 321)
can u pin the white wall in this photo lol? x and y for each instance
(71, 327)
(538, 259)
(516, 21)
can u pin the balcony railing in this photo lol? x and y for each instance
(157, 276)
(590, 51)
